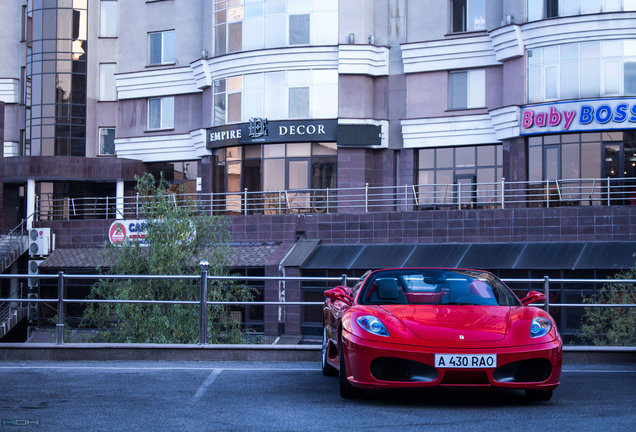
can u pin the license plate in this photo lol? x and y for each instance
(465, 361)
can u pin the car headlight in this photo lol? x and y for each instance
(540, 327)
(372, 325)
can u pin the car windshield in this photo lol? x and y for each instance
(436, 287)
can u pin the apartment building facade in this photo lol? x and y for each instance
(281, 108)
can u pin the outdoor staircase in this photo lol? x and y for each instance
(12, 246)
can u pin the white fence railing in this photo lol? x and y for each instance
(461, 195)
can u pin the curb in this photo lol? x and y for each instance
(282, 353)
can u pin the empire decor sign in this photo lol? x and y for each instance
(263, 131)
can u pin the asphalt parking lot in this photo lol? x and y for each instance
(249, 396)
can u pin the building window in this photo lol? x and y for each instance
(539, 9)
(107, 88)
(299, 29)
(467, 15)
(108, 18)
(276, 95)
(161, 113)
(106, 140)
(161, 48)
(257, 24)
(586, 69)
(467, 89)
(467, 173)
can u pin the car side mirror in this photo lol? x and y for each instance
(339, 294)
(533, 297)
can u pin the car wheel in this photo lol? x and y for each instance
(539, 395)
(347, 391)
(327, 369)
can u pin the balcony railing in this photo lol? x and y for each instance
(461, 195)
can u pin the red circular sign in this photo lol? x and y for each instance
(117, 233)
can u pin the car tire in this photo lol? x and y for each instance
(347, 391)
(538, 395)
(327, 369)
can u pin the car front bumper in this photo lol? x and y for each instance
(372, 364)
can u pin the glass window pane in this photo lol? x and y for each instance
(569, 80)
(590, 50)
(485, 155)
(252, 151)
(477, 15)
(551, 55)
(426, 158)
(219, 109)
(570, 164)
(234, 108)
(458, 90)
(219, 40)
(275, 26)
(168, 47)
(465, 157)
(612, 48)
(298, 150)
(629, 5)
(273, 174)
(535, 164)
(107, 141)
(458, 16)
(629, 72)
(590, 6)
(154, 114)
(235, 84)
(444, 158)
(236, 37)
(298, 174)
(534, 56)
(299, 29)
(570, 52)
(275, 7)
(324, 149)
(569, 7)
(551, 161)
(534, 84)
(551, 82)
(167, 112)
(476, 88)
(274, 150)
(591, 160)
(590, 78)
(535, 10)
(611, 78)
(107, 88)
(108, 19)
(154, 39)
(611, 5)
(253, 8)
(254, 38)
(299, 102)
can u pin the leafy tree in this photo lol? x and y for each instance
(177, 236)
(614, 326)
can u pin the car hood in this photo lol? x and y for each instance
(440, 324)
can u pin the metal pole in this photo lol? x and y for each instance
(503, 184)
(546, 290)
(344, 280)
(608, 192)
(203, 309)
(59, 327)
(245, 200)
(327, 201)
(366, 197)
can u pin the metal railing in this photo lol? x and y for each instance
(203, 278)
(461, 195)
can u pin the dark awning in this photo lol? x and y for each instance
(490, 256)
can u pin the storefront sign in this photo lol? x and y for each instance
(132, 229)
(264, 131)
(577, 116)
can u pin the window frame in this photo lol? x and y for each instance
(166, 59)
(164, 123)
(102, 32)
(471, 76)
(100, 142)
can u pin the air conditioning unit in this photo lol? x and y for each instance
(33, 269)
(32, 310)
(39, 241)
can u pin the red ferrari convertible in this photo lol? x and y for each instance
(405, 328)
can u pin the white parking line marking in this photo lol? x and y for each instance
(598, 371)
(204, 386)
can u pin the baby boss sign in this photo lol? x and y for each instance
(578, 116)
